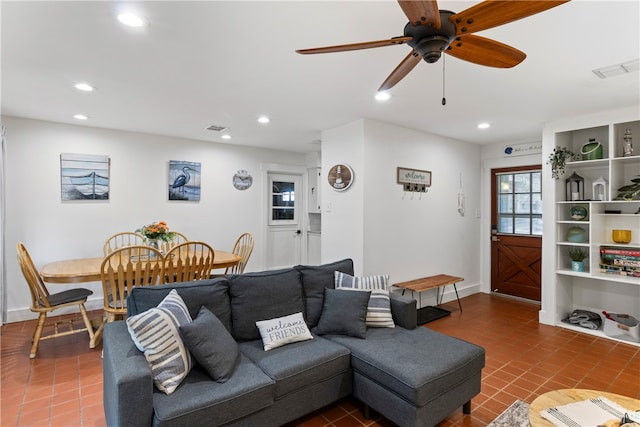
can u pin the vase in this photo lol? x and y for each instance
(577, 266)
(577, 235)
(153, 243)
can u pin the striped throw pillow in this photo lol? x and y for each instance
(156, 333)
(379, 309)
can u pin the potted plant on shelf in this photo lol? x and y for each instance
(577, 255)
(558, 158)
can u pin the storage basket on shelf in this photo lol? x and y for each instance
(622, 326)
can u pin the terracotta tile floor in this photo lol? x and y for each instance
(63, 385)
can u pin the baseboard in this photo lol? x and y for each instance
(22, 314)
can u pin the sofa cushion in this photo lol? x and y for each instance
(213, 294)
(418, 364)
(379, 308)
(299, 365)
(202, 402)
(283, 330)
(315, 278)
(344, 312)
(262, 296)
(211, 345)
(155, 333)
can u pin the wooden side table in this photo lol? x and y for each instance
(572, 395)
(430, 313)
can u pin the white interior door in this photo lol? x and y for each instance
(284, 224)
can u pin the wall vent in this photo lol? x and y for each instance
(216, 128)
(618, 69)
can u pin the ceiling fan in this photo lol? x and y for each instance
(431, 31)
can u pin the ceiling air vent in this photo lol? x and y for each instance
(618, 69)
(216, 128)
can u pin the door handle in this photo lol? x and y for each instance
(495, 239)
(298, 232)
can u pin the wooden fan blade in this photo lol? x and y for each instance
(483, 51)
(423, 12)
(355, 46)
(401, 70)
(492, 13)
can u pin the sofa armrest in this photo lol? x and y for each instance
(404, 311)
(127, 381)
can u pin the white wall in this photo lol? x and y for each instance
(53, 230)
(389, 232)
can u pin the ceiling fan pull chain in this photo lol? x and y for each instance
(444, 100)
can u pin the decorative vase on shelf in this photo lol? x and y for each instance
(577, 235)
(578, 213)
(577, 266)
(627, 146)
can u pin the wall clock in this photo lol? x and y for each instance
(340, 177)
(242, 180)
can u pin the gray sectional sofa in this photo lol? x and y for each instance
(411, 375)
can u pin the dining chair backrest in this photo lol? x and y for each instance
(124, 268)
(177, 239)
(243, 248)
(37, 288)
(188, 261)
(122, 239)
(42, 302)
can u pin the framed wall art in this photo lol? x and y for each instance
(84, 176)
(184, 180)
(414, 179)
(340, 177)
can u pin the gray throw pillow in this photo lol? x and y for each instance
(344, 313)
(315, 278)
(379, 311)
(211, 345)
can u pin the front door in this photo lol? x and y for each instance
(284, 224)
(516, 232)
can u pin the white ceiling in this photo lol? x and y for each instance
(227, 62)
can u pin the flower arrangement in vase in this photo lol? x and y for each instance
(156, 231)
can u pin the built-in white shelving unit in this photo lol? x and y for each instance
(565, 290)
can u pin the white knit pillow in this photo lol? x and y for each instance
(283, 330)
(156, 333)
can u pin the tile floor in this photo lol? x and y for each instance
(63, 385)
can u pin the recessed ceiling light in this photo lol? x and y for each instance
(484, 125)
(383, 96)
(85, 87)
(264, 119)
(80, 117)
(131, 20)
(226, 136)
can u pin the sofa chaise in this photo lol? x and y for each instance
(411, 375)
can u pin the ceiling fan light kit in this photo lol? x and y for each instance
(431, 32)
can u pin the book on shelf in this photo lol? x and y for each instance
(608, 250)
(620, 270)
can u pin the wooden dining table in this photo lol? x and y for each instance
(82, 270)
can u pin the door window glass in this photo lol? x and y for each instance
(283, 200)
(520, 203)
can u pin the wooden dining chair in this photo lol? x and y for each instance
(120, 271)
(188, 261)
(122, 239)
(43, 302)
(178, 238)
(243, 248)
